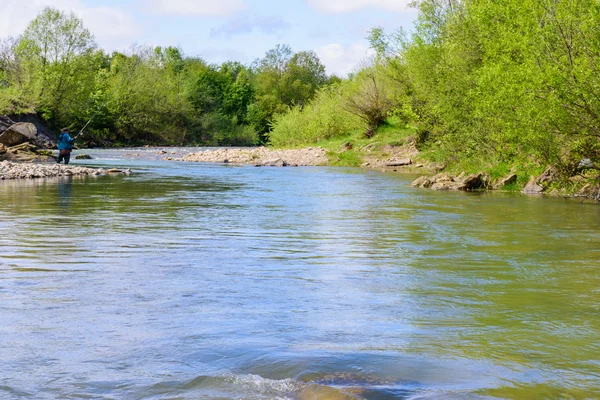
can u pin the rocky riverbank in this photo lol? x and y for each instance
(261, 156)
(14, 170)
(543, 184)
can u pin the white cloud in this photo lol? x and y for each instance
(341, 6)
(112, 26)
(341, 60)
(243, 24)
(197, 7)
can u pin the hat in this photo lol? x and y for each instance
(64, 130)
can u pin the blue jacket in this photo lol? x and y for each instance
(65, 141)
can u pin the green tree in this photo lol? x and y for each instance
(283, 79)
(59, 59)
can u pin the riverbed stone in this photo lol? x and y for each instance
(275, 162)
(532, 187)
(445, 185)
(262, 156)
(422, 182)
(83, 157)
(473, 182)
(18, 170)
(399, 163)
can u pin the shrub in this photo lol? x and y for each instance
(324, 118)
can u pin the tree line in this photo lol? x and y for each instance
(499, 82)
(149, 95)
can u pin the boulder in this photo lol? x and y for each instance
(585, 163)
(442, 177)
(532, 187)
(473, 182)
(507, 180)
(83, 157)
(2, 148)
(18, 133)
(446, 185)
(423, 182)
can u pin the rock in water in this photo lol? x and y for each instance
(83, 157)
(275, 162)
(532, 187)
(18, 133)
(473, 182)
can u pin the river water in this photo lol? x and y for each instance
(206, 281)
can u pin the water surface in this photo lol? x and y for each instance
(200, 281)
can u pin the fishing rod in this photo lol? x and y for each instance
(90, 120)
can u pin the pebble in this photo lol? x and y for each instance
(262, 156)
(13, 170)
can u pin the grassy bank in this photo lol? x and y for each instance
(395, 139)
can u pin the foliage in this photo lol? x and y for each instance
(323, 118)
(369, 98)
(147, 95)
(56, 63)
(507, 78)
(284, 80)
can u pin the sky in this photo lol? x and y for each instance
(222, 30)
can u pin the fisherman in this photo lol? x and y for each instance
(65, 146)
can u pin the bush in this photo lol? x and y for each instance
(324, 118)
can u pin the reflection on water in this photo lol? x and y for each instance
(213, 281)
(64, 186)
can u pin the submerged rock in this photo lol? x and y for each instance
(83, 157)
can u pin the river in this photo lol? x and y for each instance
(206, 281)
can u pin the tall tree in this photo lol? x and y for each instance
(59, 58)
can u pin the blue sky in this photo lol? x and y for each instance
(220, 30)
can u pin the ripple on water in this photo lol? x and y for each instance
(207, 281)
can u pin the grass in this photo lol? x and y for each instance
(349, 158)
(347, 150)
